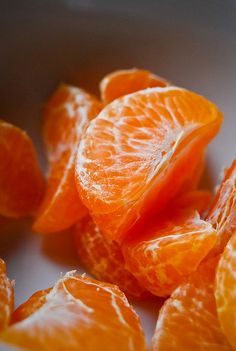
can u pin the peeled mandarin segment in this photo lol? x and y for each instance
(66, 118)
(104, 260)
(123, 82)
(225, 291)
(6, 297)
(139, 151)
(21, 180)
(188, 319)
(79, 313)
(222, 214)
(168, 253)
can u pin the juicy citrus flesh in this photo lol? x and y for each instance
(123, 82)
(222, 214)
(166, 252)
(78, 313)
(66, 117)
(188, 319)
(21, 180)
(225, 291)
(139, 151)
(103, 259)
(6, 297)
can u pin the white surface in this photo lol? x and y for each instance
(193, 46)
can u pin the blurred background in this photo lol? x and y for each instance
(43, 43)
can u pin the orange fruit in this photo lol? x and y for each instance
(66, 118)
(127, 81)
(222, 214)
(103, 258)
(78, 313)
(6, 297)
(139, 151)
(188, 319)
(163, 254)
(225, 291)
(21, 180)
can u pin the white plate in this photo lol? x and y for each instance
(193, 44)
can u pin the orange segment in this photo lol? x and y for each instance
(66, 118)
(104, 260)
(6, 297)
(79, 313)
(225, 291)
(222, 214)
(139, 151)
(188, 319)
(168, 252)
(21, 180)
(123, 82)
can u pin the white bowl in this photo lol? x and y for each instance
(192, 43)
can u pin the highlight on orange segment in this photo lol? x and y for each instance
(139, 151)
(6, 297)
(225, 291)
(78, 313)
(21, 180)
(163, 254)
(127, 81)
(103, 258)
(222, 214)
(188, 319)
(66, 117)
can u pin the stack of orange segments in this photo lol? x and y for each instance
(124, 174)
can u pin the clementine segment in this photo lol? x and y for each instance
(222, 214)
(127, 81)
(66, 118)
(188, 319)
(21, 180)
(139, 151)
(225, 291)
(104, 260)
(164, 254)
(79, 313)
(6, 297)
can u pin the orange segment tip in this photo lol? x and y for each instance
(21, 180)
(127, 81)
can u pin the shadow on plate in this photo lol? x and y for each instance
(59, 247)
(12, 233)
